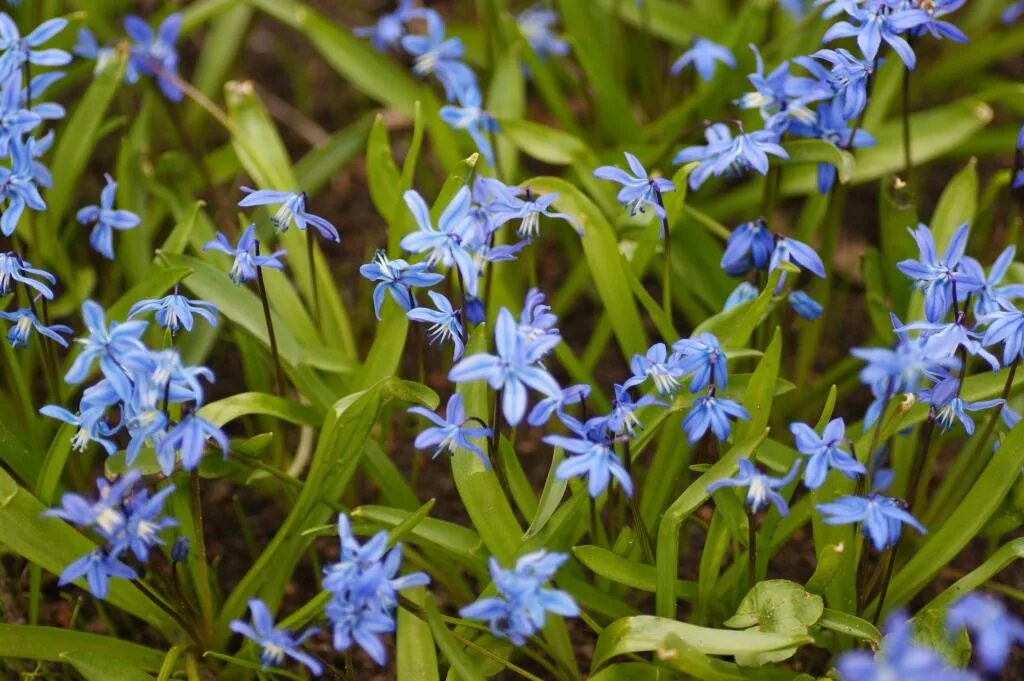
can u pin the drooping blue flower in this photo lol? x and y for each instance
(537, 23)
(447, 243)
(623, 419)
(107, 219)
(798, 253)
(710, 411)
(433, 54)
(760, 487)
(728, 155)
(14, 269)
(175, 311)
(749, 245)
(449, 433)
(596, 461)
(104, 514)
(143, 523)
(18, 50)
(874, 23)
(704, 358)
(994, 629)
(246, 255)
(471, 117)
(804, 305)
(92, 427)
(949, 407)
(97, 567)
(275, 643)
(881, 518)
(387, 33)
(444, 323)
(521, 606)
(155, 54)
(664, 370)
(848, 79)
(704, 55)
(107, 344)
(18, 185)
(942, 280)
(942, 341)
(1005, 326)
(512, 370)
(292, 211)
(528, 210)
(639, 190)
(188, 438)
(15, 119)
(991, 297)
(25, 321)
(782, 99)
(825, 452)
(744, 293)
(899, 658)
(542, 411)
(397, 277)
(919, 20)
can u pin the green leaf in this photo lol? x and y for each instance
(622, 570)
(775, 606)
(451, 648)
(51, 644)
(415, 657)
(550, 497)
(327, 159)
(1007, 554)
(245, 404)
(820, 151)
(932, 631)
(382, 175)
(547, 144)
(461, 542)
(95, 666)
(645, 633)
(957, 205)
(850, 625)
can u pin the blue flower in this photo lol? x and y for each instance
(175, 311)
(760, 487)
(97, 567)
(749, 245)
(397, 277)
(726, 155)
(105, 514)
(435, 55)
(18, 50)
(899, 658)
(15, 120)
(703, 357)
(474, 120)
(189, 439)
(447, 243)
(528, 211)
(824, 452)
(874, 24)
(450, 433)
(92, 427)
(940, 279)
(389, 29)
(943, 340)
(918, 20)
(991, 297)
(949, 407)
(781, 99)
(536, 23)
(155, 54)
(14, 269)
(444, 323)
(995, 629)
(292, 211)
(881, 518)
(796, 252)
(107, 219)
(597, 461)
(804, 305)
(848, 79)
(521, 606)
(47, 111)
(744, 293)
(142, 525)
(275, 643)
(712, 412)
(1012, 13)
(18, 185)
(246, 255)
(1005, 326)
(25, 321)
(542, 411)
(656, 364)
(108, 345)
(704, 55)
(512, 370)
(639, 190)
(623, 419)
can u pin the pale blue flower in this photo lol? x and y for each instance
(761, 488)
(175, 311)
(825, 452)
(25, 321)
(536, 23)
(711, 412)
(292, 211)
(275, 644)
(18, 50)
(444, 323)
(246, 255)
(450, 433)
(398, 278)
(639, 190)
(728, 155)
(474, 120)
(155, 54)
(447, 243)
(994, 629)
(106, 219)
(704, 55)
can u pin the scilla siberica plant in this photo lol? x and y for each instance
(622, 352)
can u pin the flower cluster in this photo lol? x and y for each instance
(153, 54)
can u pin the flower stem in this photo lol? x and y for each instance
(495, 456)
(752, 548)
(634, 508)
(279, 373)
(908, 163)
(313, 291)
(202, 576)
(159, 601)
(924, 462)
(666, 274)
(885, 581)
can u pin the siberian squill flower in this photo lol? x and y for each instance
(1005, 326)
(943, 340)
(18, 50)
(949, 407)
(92, 427)
(542, 411)
(143, 522)
(246, 255)
(471, 117)
(825, 452)
(97, 567)
(444, 323)
(14, 269)
(521, 606)
(18, 185)
(847, 78)
(992, 297)
(874, 23)
(292, 211)
(704, 55)
(596, 461)
(728, 155)
(881, 518)
(749, 245)
(25, 321)
(798, 253)
(711, 411)
(656, 364)
(433, 54)
(387, 33)
(528, 211)
(782, 99)
(450, 433)
(994, 629)
(925, 18)
(275, 643)
(704, 358)
(87, 47)
(106, 344)
(15, 119)
(744, 293)
(536, 23)
(447, 243)
(106, 219)
(761, 488)
(639, 190)
(623, 419)
(398, 278)
(943, 282)
(804, 305)
(155, 54)
(175, 311)
(188, 438)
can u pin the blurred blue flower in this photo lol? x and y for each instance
(246, 255)
(704, 55)
(14, 269)
(444, 323)
(528, 211)
(824, 452)
(450, 433)
(87, 47)
(521, 606)
(397, 277)
(1013, 12)
(107, 344)
(18, 50)
(744, 293)
(596, 461)
(474, 120)
(107, 219)
(433, 54)
(993, 627)
(155, 54)
(881, 518)
(175, 311)
(25, 321)
(709, 411)
(728, 155)
(623, 419)
(105, 514)
(536, 23)
(659, 366)
(97, 567)
(919, 20)
(275, 643)
(15, 119)
(749, 245)
(387, 33)
(804, 305)
(447, 243)
(943, 283)
(704, 358)
(761, 488)
(991, 297)
(639, 190)
(292, 211)
(899, 658)
(188, 438)
(18, 185)
(848, 79)
(143, 525)
(542, 411)
(782, 99)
